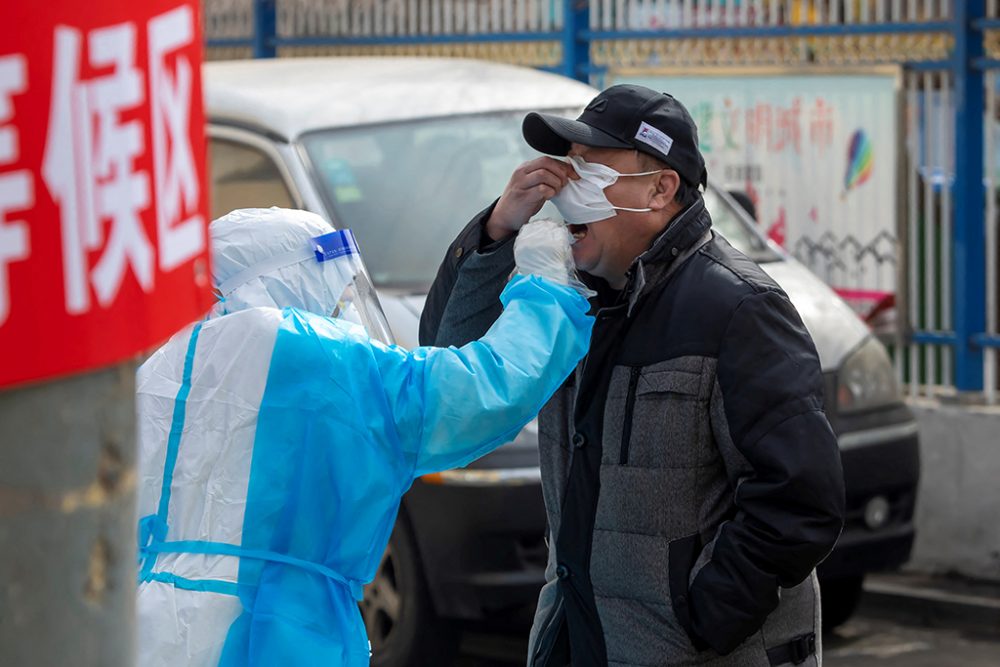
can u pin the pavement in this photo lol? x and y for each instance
(904, 620)
(935, 601)
(867, 641)
(920, 621)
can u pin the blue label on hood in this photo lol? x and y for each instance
(335, 244)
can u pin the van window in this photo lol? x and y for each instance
(244, 177)
(737, 228)
(406, 189)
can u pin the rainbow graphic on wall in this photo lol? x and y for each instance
(859, 161)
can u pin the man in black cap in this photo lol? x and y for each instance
(691, 479)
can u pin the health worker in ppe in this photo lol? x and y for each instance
(276, 440)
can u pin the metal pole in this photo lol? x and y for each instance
(934, 117)
(576, 49)
(969, 265)
(989, 370)
(946, 153)
(67, 521)
(913, 95)
(265, 28)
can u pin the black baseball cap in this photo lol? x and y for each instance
(626, 116)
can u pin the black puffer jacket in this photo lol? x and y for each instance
(691, 479)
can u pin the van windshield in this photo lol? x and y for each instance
(406, 189)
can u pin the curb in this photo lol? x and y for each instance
(927, 606)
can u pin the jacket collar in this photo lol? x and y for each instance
(682, 232)
(685, 233)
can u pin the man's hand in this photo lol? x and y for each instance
(530, 186)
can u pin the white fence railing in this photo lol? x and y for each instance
(930, 171)
(991, 381)
(401, 18)
(225, 19)
(680, 14)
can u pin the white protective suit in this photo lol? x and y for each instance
(276, 442)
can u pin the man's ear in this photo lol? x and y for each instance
(665, 188)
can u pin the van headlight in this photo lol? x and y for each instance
(867, 379)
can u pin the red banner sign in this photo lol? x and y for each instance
(103, 196)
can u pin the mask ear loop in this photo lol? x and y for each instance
(643, 173)
(647, 173)
(635, 210)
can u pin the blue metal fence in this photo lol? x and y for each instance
(947, 49)
(969, 234)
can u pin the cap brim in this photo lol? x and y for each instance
(554, 134)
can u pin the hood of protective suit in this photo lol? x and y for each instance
(252, 242)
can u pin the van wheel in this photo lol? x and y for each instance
(839, 599)
(402, 626)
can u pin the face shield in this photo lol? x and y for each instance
(347, 279)
(325, 275)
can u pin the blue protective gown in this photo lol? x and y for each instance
(344, 426)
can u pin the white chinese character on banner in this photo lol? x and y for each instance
(177, 186)
(16, 187)
(89, 165)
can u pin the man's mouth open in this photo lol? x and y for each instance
(578, 232)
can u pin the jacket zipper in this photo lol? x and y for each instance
(633, 382)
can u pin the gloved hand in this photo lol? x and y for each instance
(542, 248)
(530, 186)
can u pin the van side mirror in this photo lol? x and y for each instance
(743, 199)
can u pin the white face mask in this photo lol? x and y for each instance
(582, 201)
